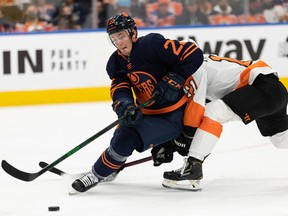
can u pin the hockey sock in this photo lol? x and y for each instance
(107, 164)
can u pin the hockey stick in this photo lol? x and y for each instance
(59, 172)
(25, 176)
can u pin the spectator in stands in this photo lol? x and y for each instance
(192, 15)
(78, 12)
(110, 8)
(222, 7)
(32, 22)
(66, 20)
(274, 12)
(125, 6)
(101, 16)
(46, 11)
(175, 7)
(255, 14)
(11, 11)
(205, 6)
(238, 6)
(162, 16)
(138, 9)
(5, 25)
(222, 14)
(23, 4)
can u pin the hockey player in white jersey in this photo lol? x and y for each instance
(238, 90)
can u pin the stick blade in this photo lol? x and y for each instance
(11, 170)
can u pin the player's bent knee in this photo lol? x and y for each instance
(280, 140)
(125, 141)
(220, 112)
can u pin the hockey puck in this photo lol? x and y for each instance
(53, 208)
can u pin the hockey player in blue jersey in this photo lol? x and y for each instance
(143, 67)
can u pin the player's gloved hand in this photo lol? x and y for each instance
(169, 87)
(183, 142)
(162, 153)
(127, 107)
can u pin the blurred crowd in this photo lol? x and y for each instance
(50, 15)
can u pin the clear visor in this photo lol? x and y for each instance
(115, 38)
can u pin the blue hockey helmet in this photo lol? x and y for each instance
(121, 22)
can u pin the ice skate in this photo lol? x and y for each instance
(87, 181)
(186, 178)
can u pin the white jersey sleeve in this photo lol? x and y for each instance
(220, 76)
(225, 75)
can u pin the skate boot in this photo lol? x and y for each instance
(186, 178)
(87, 181)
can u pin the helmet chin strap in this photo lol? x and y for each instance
(131, 35)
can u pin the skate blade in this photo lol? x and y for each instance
(73, 192)
(186, 185)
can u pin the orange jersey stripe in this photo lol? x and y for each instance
(120, 85)
(193, 114)
(120, 54)
(189, 53)
(188, 48)
(115, 87)
(244, 76)
(211, 126)
(108, 163)
(165, 109)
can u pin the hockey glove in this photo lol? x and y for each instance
(169, 88)
(127, 107)
(163, 153)
(183, 142)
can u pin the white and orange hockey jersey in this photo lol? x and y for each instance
(216, 77)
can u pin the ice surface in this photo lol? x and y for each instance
(244, 176)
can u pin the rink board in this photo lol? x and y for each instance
(64, 67)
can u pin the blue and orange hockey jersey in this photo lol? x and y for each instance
(152, 56)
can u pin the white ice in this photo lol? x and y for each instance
(244, 176)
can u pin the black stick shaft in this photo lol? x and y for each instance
(60, 172)
(24, 176)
